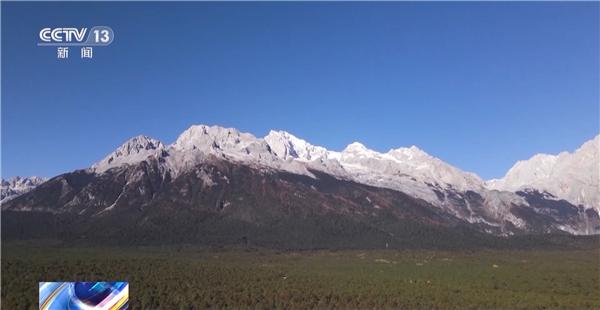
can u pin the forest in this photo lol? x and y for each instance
(189, 277)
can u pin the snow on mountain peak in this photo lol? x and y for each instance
(406, 169)
(205, 137)
(590, 146)
(284, 144)
(200, 141)
(355, 147)
(287, 146)
(132, 151)
(16, 186)
(408, 153)
(24, 181)
(570, 176)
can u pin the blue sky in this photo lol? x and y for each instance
(479, 85)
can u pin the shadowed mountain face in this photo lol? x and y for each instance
(221, 203)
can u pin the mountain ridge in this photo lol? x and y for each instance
(573, 176)
(212, 161)
(287, 146)
(16, 186)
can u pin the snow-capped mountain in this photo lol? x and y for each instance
(16, 186)
(134, 150)
(570, 176)
(409, 170)
(404, 169)
(255, 180)
(287, 146)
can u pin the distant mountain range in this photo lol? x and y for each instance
(217, 185)
(18, 185)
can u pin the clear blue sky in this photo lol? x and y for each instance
(480, 85)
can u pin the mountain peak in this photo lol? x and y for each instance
(570, 176)
(205, 137)
(16, 186)
(355, 147)
(143, 141)
(138, 144)
(24, 180)
(407, 153)
(134, 150)
(591, 145)
(285, 145)
(281, 133)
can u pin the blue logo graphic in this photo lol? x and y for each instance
(84, 295)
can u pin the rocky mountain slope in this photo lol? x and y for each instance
(216, 183)
(571, 176)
